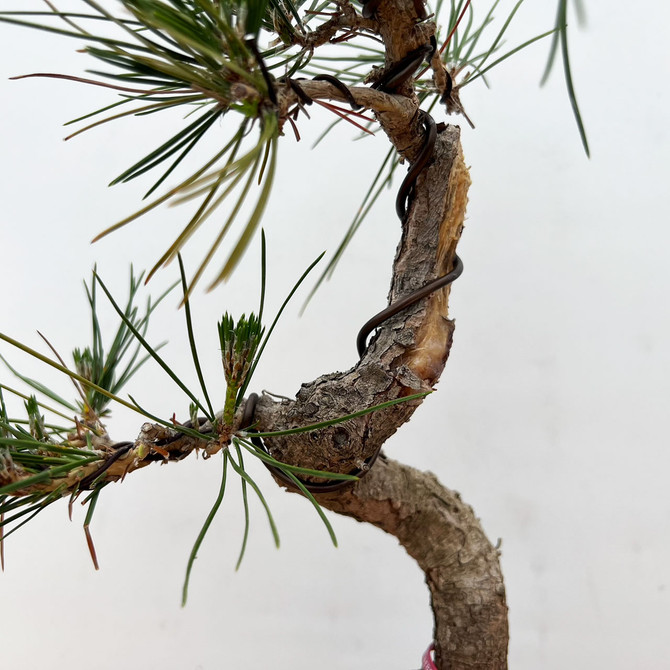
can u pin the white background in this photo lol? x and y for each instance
(551, 418)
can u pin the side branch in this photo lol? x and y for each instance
(344, 19)
(155, 443)
(400, 107)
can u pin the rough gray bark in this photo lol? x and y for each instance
(442, 534)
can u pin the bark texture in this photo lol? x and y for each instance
(408, 353)
(442, 534)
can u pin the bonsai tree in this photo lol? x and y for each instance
(246, 77)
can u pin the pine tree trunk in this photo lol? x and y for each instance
(407, 356)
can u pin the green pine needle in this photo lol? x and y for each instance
(203, 531)
(151, 351)
(245, 502)
(248, 479)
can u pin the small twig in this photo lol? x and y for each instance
(345, 18)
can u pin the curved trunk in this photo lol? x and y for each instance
(444, 536)
(407, 356)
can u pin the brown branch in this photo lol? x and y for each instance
(155, 443)
(345, 18)
(385, 105)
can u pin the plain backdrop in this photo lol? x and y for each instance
(551, 418)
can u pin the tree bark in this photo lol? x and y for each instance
(407, 356)
(443, 535)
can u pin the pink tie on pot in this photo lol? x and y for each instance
(427, 660)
